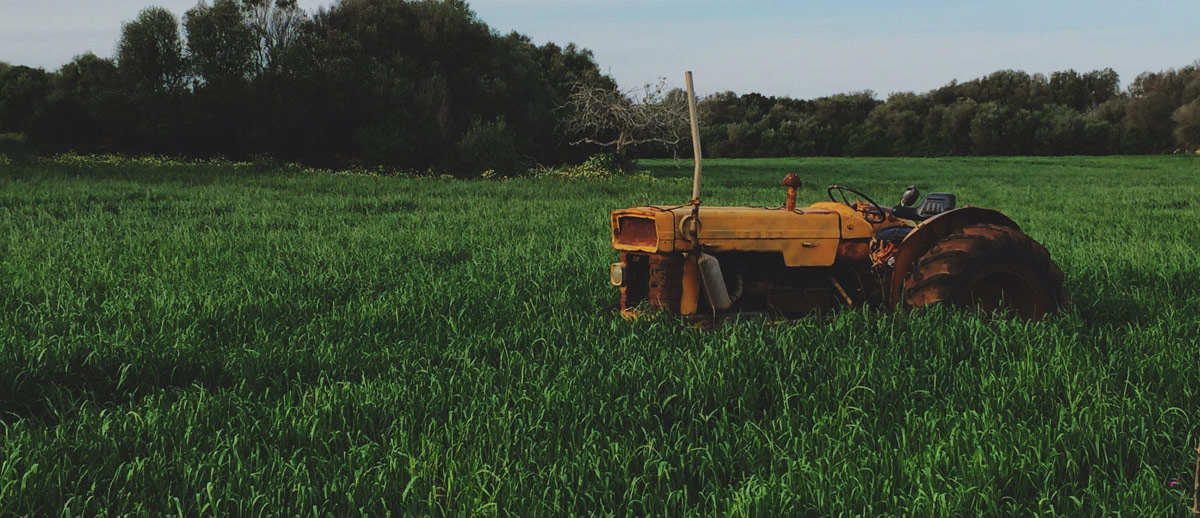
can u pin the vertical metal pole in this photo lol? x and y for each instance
(695, 138)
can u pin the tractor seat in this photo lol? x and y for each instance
(931, 205)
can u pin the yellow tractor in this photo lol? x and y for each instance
(699, 260)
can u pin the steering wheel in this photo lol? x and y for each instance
(872, 216)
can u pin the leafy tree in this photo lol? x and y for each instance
(793, 137)
(153, 70)
(1004, 87)
(987, 131)
(150, 53)
(220, 44)
(1187, 126)
(841, 114)
(221, 48)
(85, 108)
(1101, 85)
(23, 93)
(1062, 131)
(1069, 89)
(402, 83)
(488, 147)
(893, 128)
(1147, 126)
(1021, 132)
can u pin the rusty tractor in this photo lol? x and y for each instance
(848, 251)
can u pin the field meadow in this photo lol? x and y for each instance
(225, 339)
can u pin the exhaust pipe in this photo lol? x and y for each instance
(710, 269)
(695, 138)
(714, 283)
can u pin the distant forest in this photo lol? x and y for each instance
(427, 86)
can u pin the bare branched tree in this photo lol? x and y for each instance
(276, 24)
(605, 116)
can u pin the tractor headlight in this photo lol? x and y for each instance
(616, 274)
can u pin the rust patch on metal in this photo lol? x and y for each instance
(856, 250)
(666, 282)
(656, 279)
(635, 231)
(884, 251)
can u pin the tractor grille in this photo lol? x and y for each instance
(655, 279)
(634, 231)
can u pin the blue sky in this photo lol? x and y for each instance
(801, 49)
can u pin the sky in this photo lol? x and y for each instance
(802, 49)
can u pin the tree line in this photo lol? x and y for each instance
(410, 85)
(1005, 113)
(424, 85)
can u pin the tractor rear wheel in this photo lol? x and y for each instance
(987, 267)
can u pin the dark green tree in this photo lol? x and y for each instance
(220, 44)
(150, 54)
(23, 93)
(1069, 89)
(987, 131)
(222, 49)
(153, 69)
(1101, 85)
(1187, 127)
(1147, 126)
(85, 110)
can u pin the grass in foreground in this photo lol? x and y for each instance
(191, 339)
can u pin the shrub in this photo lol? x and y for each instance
(1187, 126)
(488, 148)
(14, 148)
(596, 166)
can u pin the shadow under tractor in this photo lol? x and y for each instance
(699, 260)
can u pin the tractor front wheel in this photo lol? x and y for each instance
(988, 267)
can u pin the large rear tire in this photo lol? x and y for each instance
(987, 267)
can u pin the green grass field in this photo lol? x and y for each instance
(219, 340)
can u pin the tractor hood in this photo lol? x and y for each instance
(805, 237)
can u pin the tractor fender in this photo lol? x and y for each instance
(919, 241)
